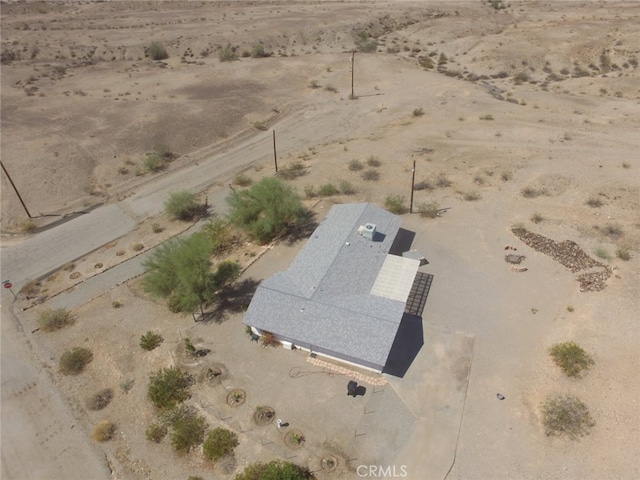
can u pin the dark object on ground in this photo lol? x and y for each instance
(500, 396)
(351, 388)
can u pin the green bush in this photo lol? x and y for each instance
(219, 442)
(157, 51)
(267, 210)
(155, 432)
(395, 204)
(571, 358)
(601, 252)
(274, 470)
(220, 233)
(51, 320)
(153, 162)
(100, 400)
(150, 340)
(73, 362)
(328, 190)
(188, 428)
(228, 54)
(565, 416)
(182, 205)
(428, 209)
(258, 51)
(168, 387)
(364, 42)
(346, 188)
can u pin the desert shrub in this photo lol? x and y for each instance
(51, 320)
(371, 174)
(373, 161)
(136, 247)
(314, 84)
(364, 42)
(73, 362)
(168, 387)
(188, 428)
(506, 176)
(104, 431)
(268, 339)
(428, 209)
(274, 470)
(327, 190)
(471, 196)
(442, 59)
(571, 358)
(153, 162)
(423, 185)
(155, 432)
(331, 88)
(258, 51)
(126, 385)
(395, 204)
(150, 340)
(626, 165)
(267, 209)
(242, 180)
(347, 188)
(310, 191)
(594, 202)
(355, 165)
(565, 416)
(623, 253)
(530, 192)
(418, 112)
(182, 205)
(486, 117)
(294, 170)
(601, 252)
(426, 62)
(537, 218)
(157, 51)
(262, 126)
(612, 230)
(100, 400)
(156, 228)
(116, 304)
(442, 181)
(228, 54)
(219, 442)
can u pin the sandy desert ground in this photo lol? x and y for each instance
(523, 115)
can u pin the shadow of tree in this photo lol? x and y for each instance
(233, 298)
(304, 230)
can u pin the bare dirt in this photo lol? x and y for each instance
(527, 119)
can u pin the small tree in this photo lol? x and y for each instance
(150, 340)
(73, 362)
(157, 51)
(565, 415)
(267, 209)
(571, 358)
(274, 470)
(219, 443)
(228, 54)
(168, 387)
(182, 205)
(188, 429)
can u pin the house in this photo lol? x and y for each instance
(344, 296)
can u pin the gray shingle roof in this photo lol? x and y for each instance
(323, 299)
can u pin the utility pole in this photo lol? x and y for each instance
(413, 181)
(353, 56)
(275, 155)
(16, 190)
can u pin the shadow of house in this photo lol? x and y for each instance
(408, 342)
